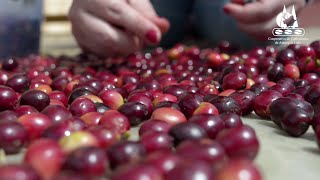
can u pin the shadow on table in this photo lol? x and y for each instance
(269, 124)
(314, 150)
(253, 116)
(308, 135)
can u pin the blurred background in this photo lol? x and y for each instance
(55, 30)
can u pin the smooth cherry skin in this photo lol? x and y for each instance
(240, 142)
(143, 99)
(292, 71)
(175, 90)
(95, 99)
(35, 98)
(316, 46)
(101, 108)
(315, 120)
(231, 120)
(154, 125)
(3, 77)
(90, 161)
(296, 122)
(212, 124)
(206, 150)
(226, 104)
(136, 172)
(136, 112)
(206, 108)
(59, 83)
(187, 131)
(317, 132)
(227, 92)
(189, 103)
(286, 56)
(262, 101)
(95, 84)
(60, 96)
(164, 98)
(25, 109)
(111, 98)
(279, 107)
(58, 130)
(244, 98)
(56, 102)
(257, 88)
(57, 113)
(45, 150)
(79, 92)
(164, 161)
(91, 118)
(190, 170)
(13, 137)
(234, 80)
(116, 121)
(207, 89)
(35, 124)
(70, 175)
(156, 141)
(19, 82)
(105, 137)
(169, 115)
(313, 94)
(169, 104)
(18, 172)
(236, 169)
(81, 106)
(125, 152)
(9, 64)
(284, 88)
(295, 96)
(8, 98)
(275, 72)
(8, 115)
(306, 51)
(214, 59)
(77, 140)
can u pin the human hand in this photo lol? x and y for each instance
(259, 18)
(115, 27)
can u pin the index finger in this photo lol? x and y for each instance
(121, 14)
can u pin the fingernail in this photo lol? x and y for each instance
(226, 10)
(152, 36)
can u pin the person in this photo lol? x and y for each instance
(119, 27)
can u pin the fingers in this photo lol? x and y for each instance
(255, 12)
(147, 10)
(162, 23)
(121, 14)
(99, 37)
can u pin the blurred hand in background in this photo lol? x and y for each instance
(115, 27)
(259, 18)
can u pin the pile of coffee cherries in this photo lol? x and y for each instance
(72, 117)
